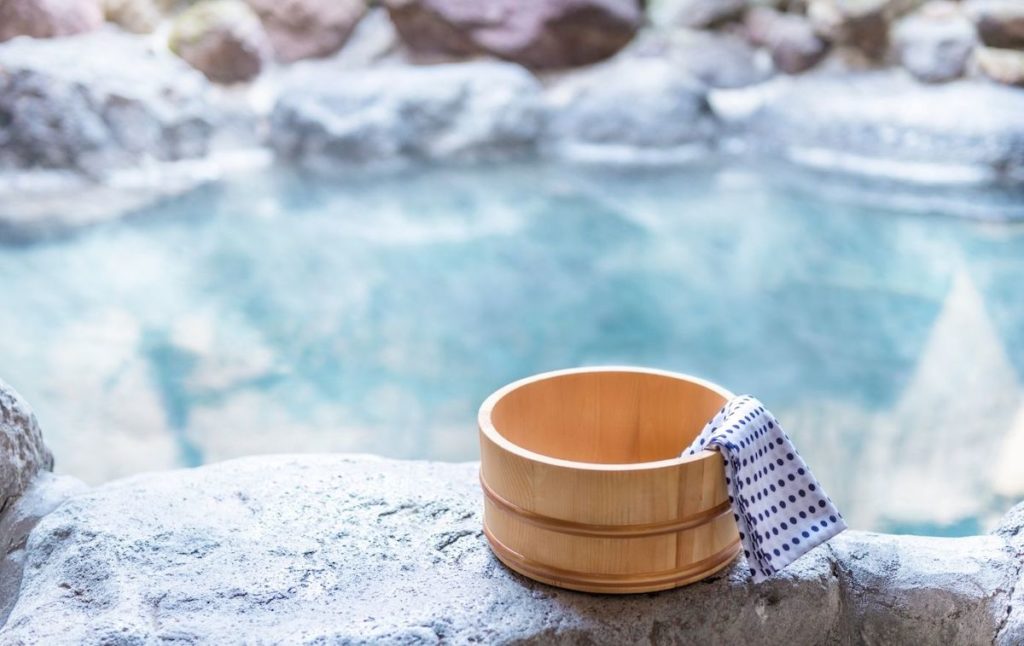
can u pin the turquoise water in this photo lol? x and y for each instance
(279, 313)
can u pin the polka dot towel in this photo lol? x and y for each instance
(781, 510)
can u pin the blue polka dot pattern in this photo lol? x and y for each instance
(792, 513)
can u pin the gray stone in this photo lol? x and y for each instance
(341, 549)
(372, 41)
(98, 102)
(22, 452)
(630, 109)
(935, 42)
(45, 493)
(907, 589)
(886, 124)
(717, 59)
(389, 114)
(1011, 529)
(1000, 22)
(789, 38)
(696, 13)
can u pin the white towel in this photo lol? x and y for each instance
(781, 509)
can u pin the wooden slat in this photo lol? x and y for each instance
(584, 485)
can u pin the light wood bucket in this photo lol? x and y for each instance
(583, 486)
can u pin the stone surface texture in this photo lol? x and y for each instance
(136, 16)
(862, 24)
(373, 41)
(535, 33)
(96, 102)
(1011, 529)
(717, 59)
(223, 39)
(460, 111)
(343, 549)
(789, 38)
(1004, 66)
(696, 13)
(873, 121)
(628, 109)
(1000, 22)
(45, 493)
(308, 28)
(48, 18)
(935, 43)
(22, 452)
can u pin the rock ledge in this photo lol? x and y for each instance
(349, 549)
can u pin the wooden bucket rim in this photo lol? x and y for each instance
(488, 429)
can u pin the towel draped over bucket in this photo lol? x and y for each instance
(782, 511)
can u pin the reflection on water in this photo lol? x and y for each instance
(283, 314)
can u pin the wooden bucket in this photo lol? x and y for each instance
(583, 486)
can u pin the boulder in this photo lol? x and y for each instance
(342, 549)
(535, 33)
(789, 38)
(717, 59)
(136, 16)
(887, 124)
(1011, 529)
(27, 490)
(696, 13)
(935, 43)
(45, 493)
(48, 18)
(1000, 23)
(308, 28)
(389, 114)
(862, 24)
(1004, 66)
(223, 39)
(632, 109)
(98, 102)
(373, 41)
(22, 452)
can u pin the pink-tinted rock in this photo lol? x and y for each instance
(222, 39)
(863, 24)
(48, 18)
(1000, 22)
(308, 28)
(1004, 66)
(792, 42)
(535, 33)
(136, 16)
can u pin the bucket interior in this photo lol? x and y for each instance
(608, 417)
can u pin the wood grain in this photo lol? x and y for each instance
(584, 487)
